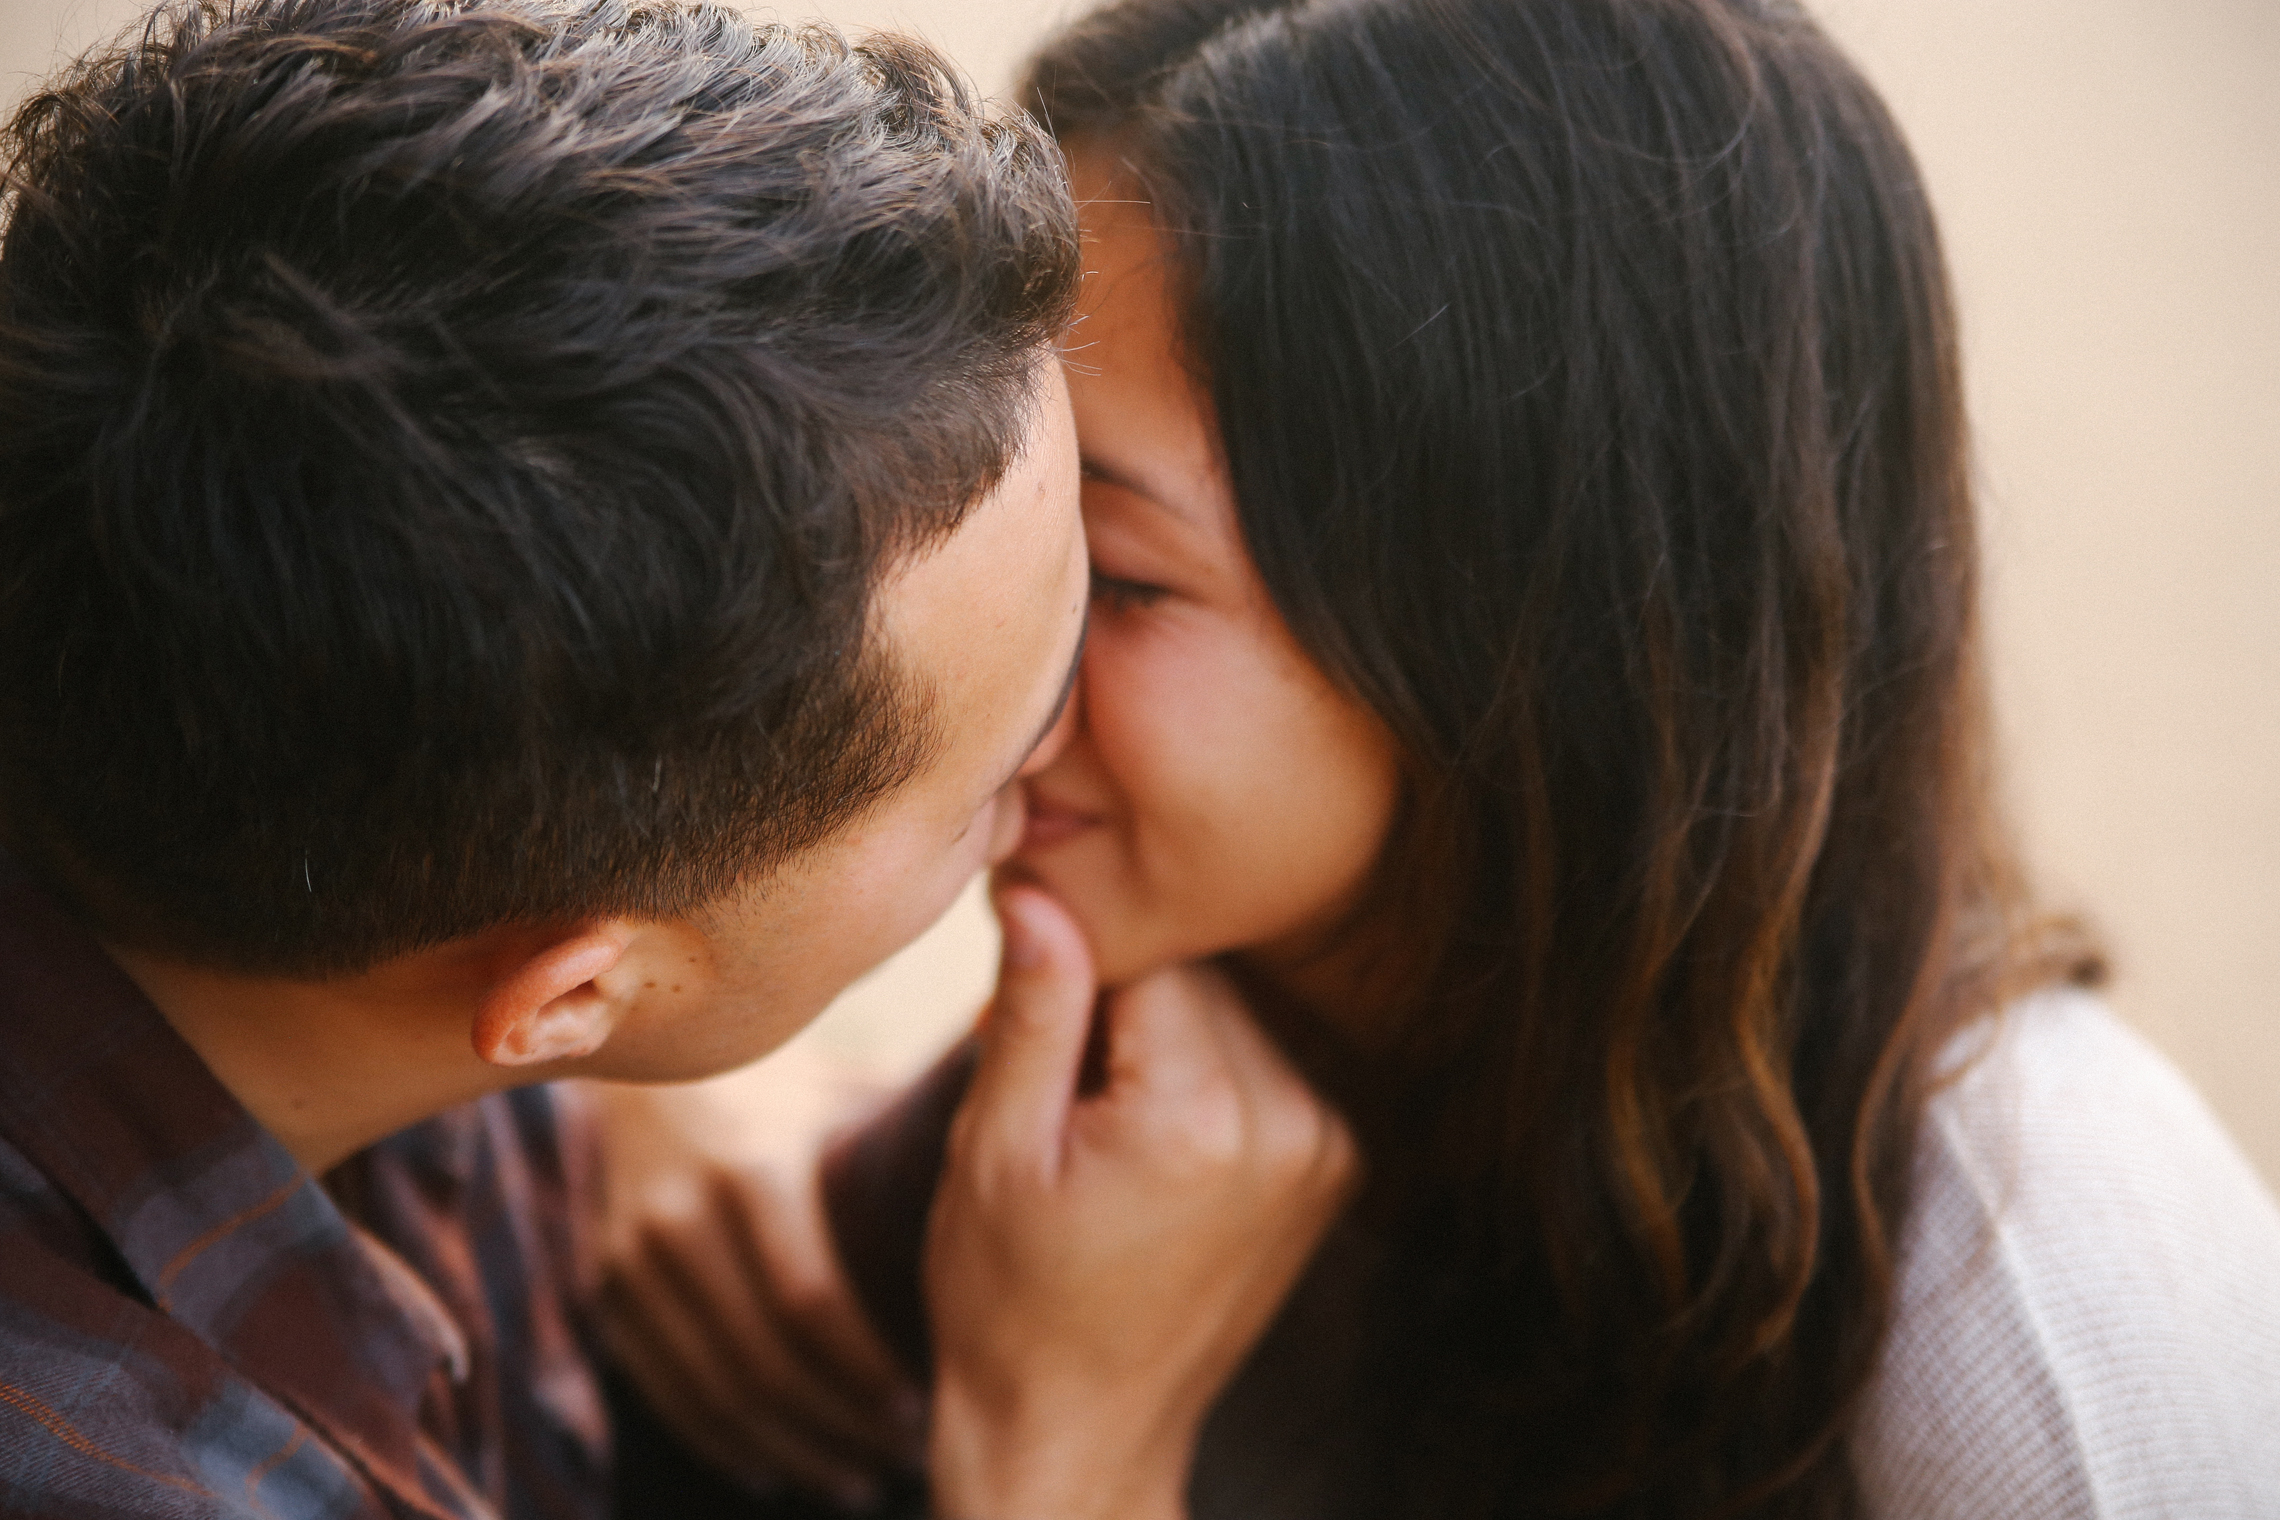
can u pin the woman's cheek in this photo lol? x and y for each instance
(1146, 879)
(1194, 731)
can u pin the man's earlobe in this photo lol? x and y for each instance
(548, 1008)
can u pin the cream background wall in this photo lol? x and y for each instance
(2108, 173)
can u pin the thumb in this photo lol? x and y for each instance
(1033, 1041)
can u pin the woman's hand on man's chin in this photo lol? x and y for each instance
(1122, 1213)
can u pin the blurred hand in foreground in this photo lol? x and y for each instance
(724, 1300)
(1111, 1234)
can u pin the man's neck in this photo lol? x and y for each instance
(329, 1066)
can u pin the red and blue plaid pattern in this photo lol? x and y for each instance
(192, 1326)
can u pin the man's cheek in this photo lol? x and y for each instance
(1003, 820)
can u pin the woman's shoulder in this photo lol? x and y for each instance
(2087, 1317)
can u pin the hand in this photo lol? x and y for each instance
(724, 1299)
(1100, 1262)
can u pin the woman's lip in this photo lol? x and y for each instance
(1050, 823)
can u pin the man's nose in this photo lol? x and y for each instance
(1057, 737)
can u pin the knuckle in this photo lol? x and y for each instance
(1207, 1131)
(674, 1204)
(962, 1138)
(1183, 985)
(652, 1245)
(1309, 1143)
(750, 1184)
(1017, 1009)
(987, 1172)
(1033, 1000)
(1014, 1175)
(1207, 983)
(806, 1295)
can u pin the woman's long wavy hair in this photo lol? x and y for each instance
(1587, 378)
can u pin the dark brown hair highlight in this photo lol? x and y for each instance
(1587, 377)
(446, 451)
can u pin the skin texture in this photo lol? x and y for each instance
(725, 1301)
(1210, 792)
(1203, 1143)
(1218, 793)
(1119, 1251)
(1099, 1262)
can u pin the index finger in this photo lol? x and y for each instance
(1033, 1039)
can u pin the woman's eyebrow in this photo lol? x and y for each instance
(1124, 480)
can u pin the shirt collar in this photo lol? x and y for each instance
(223, 1230)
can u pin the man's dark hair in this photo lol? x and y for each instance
(445, 451)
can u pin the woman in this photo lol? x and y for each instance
(1535, 647)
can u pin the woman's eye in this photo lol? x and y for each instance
(1122, 595)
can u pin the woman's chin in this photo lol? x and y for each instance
(1126, 945)
(1122, 967)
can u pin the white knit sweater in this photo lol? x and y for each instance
(2088, 1318)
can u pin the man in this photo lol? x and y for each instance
(534, 542)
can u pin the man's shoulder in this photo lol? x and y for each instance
(109, 1408)
(112, 1405)
(2088, 1307)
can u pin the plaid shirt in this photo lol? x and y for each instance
(192, 1326)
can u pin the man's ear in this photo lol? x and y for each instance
(547, 1008)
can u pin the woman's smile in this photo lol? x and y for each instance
(1051, 821)
(1174, 824)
